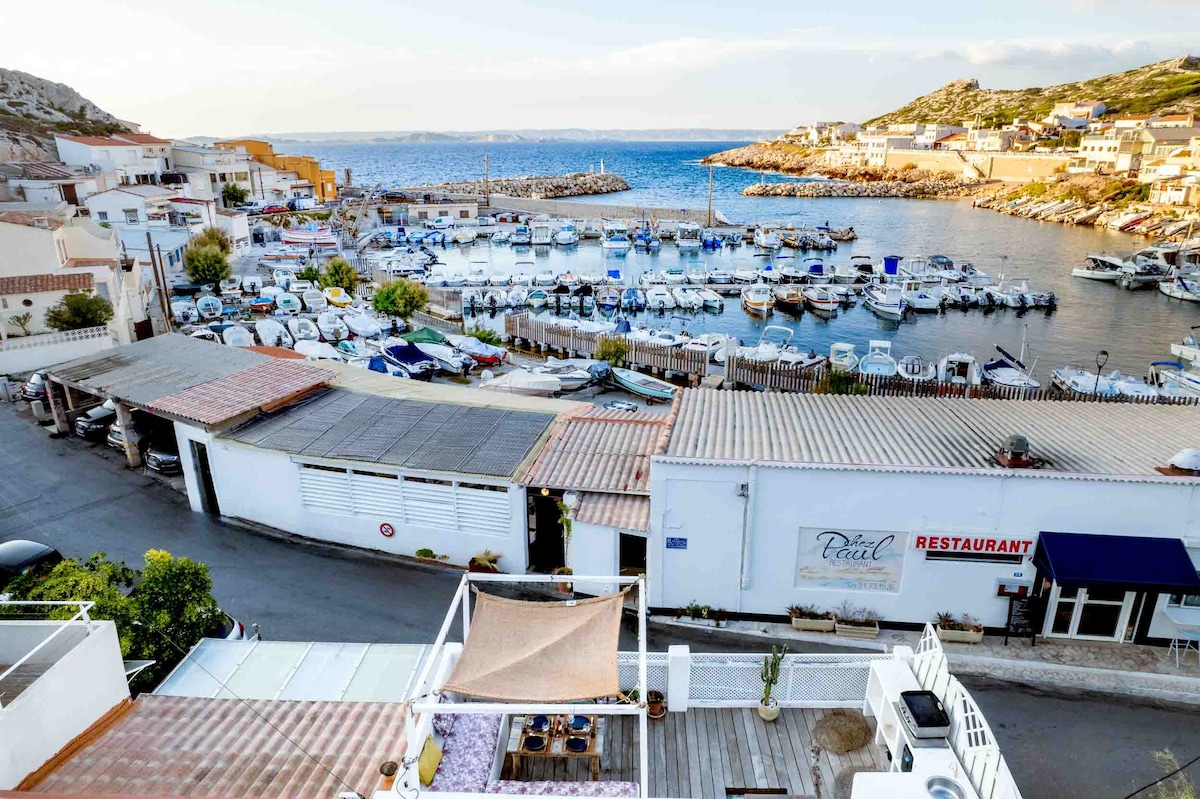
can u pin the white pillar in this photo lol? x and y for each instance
(679, 677)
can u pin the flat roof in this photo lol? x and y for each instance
(153, 368)
(188, 746)
(1097, 438)
(327, 672)
(439, 437)
(601, 450)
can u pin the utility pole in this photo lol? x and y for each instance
(710, 179)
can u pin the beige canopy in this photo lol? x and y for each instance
(521, 651)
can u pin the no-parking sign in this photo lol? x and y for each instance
(387, 530)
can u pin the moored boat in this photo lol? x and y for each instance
(645, 386)
(878, 360)
(757, 298)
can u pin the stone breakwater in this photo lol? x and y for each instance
(540, 187)
(926, 188)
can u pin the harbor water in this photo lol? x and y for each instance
(1135, 328)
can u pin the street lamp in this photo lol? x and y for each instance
(1101, 359)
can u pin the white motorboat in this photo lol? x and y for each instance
(520, 236)
(687, 237)
(651, 388)
(523, 276)
(298, 287)
(659, 298)
(660, 336)
(465, 235)
(1173, 379)
(878, 360)
(711, 344)
(720, 277)
(815, 270)
(448, 359)
(688, 299)
(184, 312)
(283, 278)
(1100, 267)
(1015, 293)
(288, 303)
(501, 237)
(919, 296)
(231, 285)
(272, 334)
(362, 324)
(758, 299)
(477, 274)
(790, 271)
(269, 292)
(674, 275)
(959, 368)
(1009, 371)
(570, 377)
(590, 278)
(519, 381)
(1082, 382)
(608, 298)
(544, 278)
(710, 299)
(567, 234)
(538, 298)
(318, 351)
(766, 236)
(237, 336)
(252, 284)
(206, 334)
(884, 299)
(820, 299)
(437, 278)
(499, 277)
(789, 297)
(1189, 349)
(303, 329)
(540, 233)
(1181, 288)
(331, 326)
(744, 275)
(1132, 387)
(916, 369)
(518, 297)
(314, 301)
(845, 273)
(209, 306)
(616, 238)
(842, 357)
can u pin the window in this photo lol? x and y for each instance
(973, 557)
(131, 216)
(464, 214)
(102, 216)
(422, 214)
(241, 175)
(1184, 600)
(4, 303)
(28, 303)
(212, 178)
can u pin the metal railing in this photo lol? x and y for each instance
(81, 615)
(805, 680)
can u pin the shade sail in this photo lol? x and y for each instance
(521, 651)
(1131, 563)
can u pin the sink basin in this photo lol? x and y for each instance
(944, 788)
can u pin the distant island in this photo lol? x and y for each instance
(501, 136)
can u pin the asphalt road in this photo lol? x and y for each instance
(78, 497)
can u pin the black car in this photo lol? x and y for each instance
(19, 557)
(163, 457)
(94, 424)
(34, 388)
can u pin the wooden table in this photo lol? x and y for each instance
(556, 743)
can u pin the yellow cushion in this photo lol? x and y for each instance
(428, 762)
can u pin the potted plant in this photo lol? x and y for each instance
(768, 708)
(425, 553)
(487, 562)
(564, 586)
(807, 617)
(656, 704)
(852, 622)
(964, 629)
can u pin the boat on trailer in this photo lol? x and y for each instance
(645, 386)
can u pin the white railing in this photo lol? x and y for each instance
(656, 670)
(970, 737)
(51, 339)
(735, 680)
(80, 615)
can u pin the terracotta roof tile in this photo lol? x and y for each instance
(97, 141)
(36, 284)
(185, 746)
(76, 263)
(626, 511)
(51, 220)
(277, 352)
(234, 395)
(142, 138)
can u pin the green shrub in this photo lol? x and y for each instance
(613, 350)
(77, 311)
(400, 298)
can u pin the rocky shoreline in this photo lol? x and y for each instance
(540, 187)
(925, 188)
(1090, 200)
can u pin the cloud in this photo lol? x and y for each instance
(1040, 53)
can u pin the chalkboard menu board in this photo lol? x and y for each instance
(1022, 619)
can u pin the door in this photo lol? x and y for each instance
(1093, 614)
(632, 554)
(546, 545)
(204, 481)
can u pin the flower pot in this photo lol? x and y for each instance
(768, 711)
(857, 630)
(564, 587)
(960, 636)
(656, 706)
(813, 625)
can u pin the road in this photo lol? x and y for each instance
(78, 498)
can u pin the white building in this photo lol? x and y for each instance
(134, 158)
(207, 170)
(933, 133)
(875, 147)
(132, 206)
(898, 505)
(1081, 110)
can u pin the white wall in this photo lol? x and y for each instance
(594, 550)
(263, 486)
(73, 694)
(108, 158)
(700, 503)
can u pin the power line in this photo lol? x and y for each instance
(1163, 778)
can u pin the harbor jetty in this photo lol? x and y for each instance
(538, 187)
(927, 186)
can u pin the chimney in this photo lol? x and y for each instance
(1014, 453)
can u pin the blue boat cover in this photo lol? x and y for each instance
(376, 364)
(1124, 562)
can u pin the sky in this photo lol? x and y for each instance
(230, 67)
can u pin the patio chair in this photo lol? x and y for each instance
(1183, 641)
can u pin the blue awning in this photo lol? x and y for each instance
(1126, 562)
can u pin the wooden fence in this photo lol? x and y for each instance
(422, 319)
(779, 377)
(638, 354)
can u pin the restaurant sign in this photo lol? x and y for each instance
(960, 543)
(850, 560)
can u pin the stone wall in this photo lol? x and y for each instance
(575, 184)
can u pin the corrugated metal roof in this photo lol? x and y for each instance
(431, 436)
(625, 511)
(235, 395)
(601, 450)
(154, 368)
(185, 746)
(1078, 437)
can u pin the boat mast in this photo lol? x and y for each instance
(487, 188)
(710, 179)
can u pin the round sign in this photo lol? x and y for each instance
(387, 530)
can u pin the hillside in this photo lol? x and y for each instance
(1166, 87)
(33, 109)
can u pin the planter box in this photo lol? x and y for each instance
(699, 622)
(857, 631)
(960, 636)
(814, 625)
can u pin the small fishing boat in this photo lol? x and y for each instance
(318, 351)
(501, 237)
(820, 299)
(184, 312)
(788, 297)
(659, 298)
(711, 300)
(314, 301)
(1132, 387)
(688, 299)
(298, 287)
(884, 300)
(916, 369)
(520, 381)
(613, 276)
(959, 368)
(540, 233)
(362, 324)
(720, 277)
(643, 385)
(303, 329)
(745, 275)
(815, 271)
(272, 334)
(1081, 382)
(1181, 288)
(262, 304)
(477, 274)
(674, 276)
(237, 336)
(252, 284)
(499, 277)
(449, 359)
(712, 344)
(608, 298)
(616, 238)
(687, 237)
(878, 360)
(288, 302)
(711, 239)
(337, 296)
(567, 235)
(758, 299)
(313, 235)
(209, 306)
(231, 285)
(1099, 267)
(632, 299)
(518, 297)
(918, 296)
(409, 359)
(283, 278)
(520, 236)
(537, 299)
(1009, 371)
(331, 326)
(479, 351)
(569, 376)
(465, 235)
(206, 334)
(544, 278)
(767, 236)
(568, 279)
(842, 357)
(523, 276)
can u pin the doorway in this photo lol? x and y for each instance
(204, 481)
(632, 555)
(1090, 614)
(546, 548)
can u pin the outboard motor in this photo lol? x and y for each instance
(1051, 301)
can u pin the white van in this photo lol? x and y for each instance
(441, 223)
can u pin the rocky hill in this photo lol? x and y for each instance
(33, 109)
(1168, 87)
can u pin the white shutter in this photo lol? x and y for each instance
(325, 490)
(482, 512)
(428, 504)
(376, 495)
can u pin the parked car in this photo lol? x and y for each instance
(229, 629)
(441, 223)
(253, 206)
(94, 424)
(274, 208)
(163, 457)
(34, 388)
(20, 556)
(302, 204)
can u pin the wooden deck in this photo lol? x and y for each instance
(711, 753)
